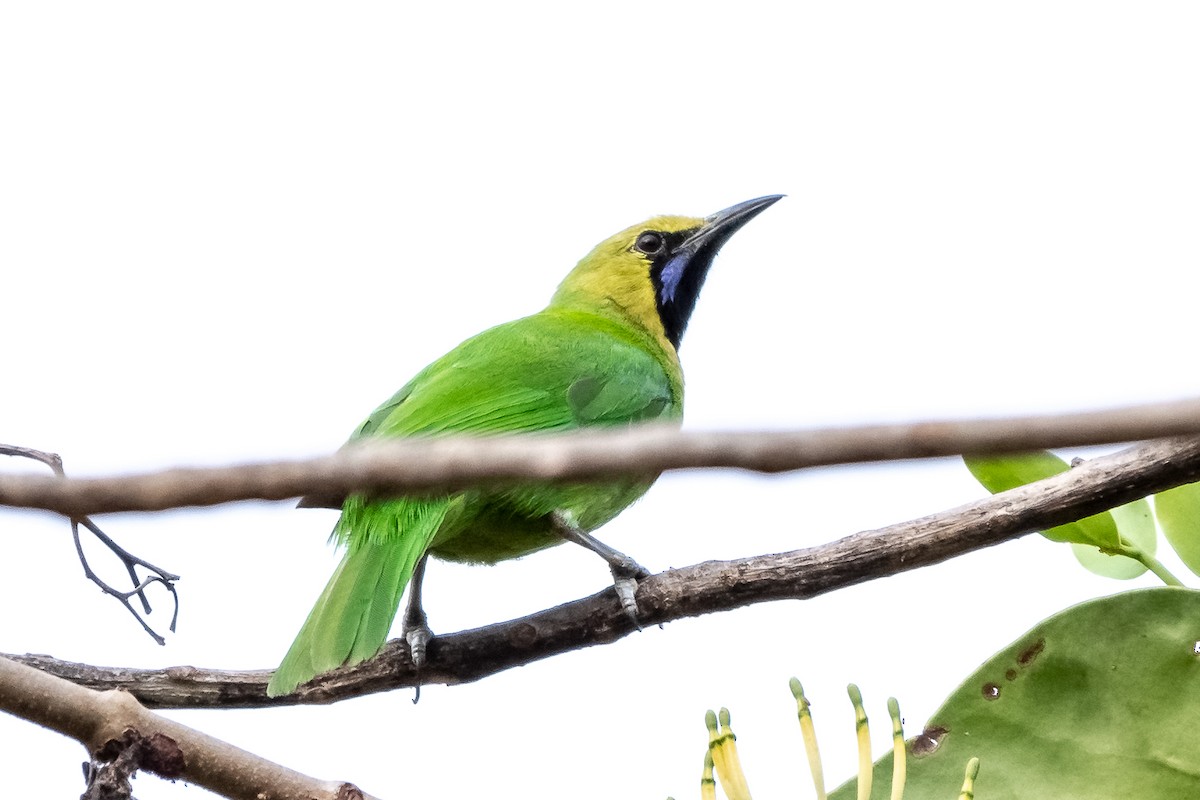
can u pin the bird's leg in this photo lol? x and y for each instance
(625, 570)
(416, 624)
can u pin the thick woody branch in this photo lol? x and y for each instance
(107, 721)
(704, 588)
(399, 467)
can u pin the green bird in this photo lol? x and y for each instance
(603, 353)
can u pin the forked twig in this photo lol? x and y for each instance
(129, 560)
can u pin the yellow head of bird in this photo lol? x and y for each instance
(651, 274)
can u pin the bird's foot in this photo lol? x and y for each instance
(418, 638)
(625, 567)
(625, 570)
(625, 582)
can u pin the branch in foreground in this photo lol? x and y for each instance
(1094, 486)
(424, 465)
(107, 721)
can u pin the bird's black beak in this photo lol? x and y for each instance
(719, 227)
(679, 275)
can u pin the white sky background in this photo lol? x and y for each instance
(228, 231)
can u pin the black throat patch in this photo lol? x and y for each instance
(677, 276)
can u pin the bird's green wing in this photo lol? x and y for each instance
(548, 372)
(616, 399)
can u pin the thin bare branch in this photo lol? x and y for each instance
(109, 723)
(128, 560)
(396, 467)
(705, 588)
(51, 460)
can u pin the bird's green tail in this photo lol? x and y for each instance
(352, 617)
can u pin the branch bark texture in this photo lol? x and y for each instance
(704, 588)
(427, 465)
(108, 721)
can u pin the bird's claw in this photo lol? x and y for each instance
(417, 635)
(626, 588)
(418, 638)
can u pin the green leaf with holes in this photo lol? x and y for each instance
(1099, 701)
(1178, 512)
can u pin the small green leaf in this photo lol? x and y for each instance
(1135, 524)
(1178, 512)
(1001, 473)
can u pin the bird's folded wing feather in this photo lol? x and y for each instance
(536, 374)
(533, 374)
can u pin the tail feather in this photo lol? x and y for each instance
(377, 619)
(351, 619)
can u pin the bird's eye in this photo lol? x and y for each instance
(650, 243)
